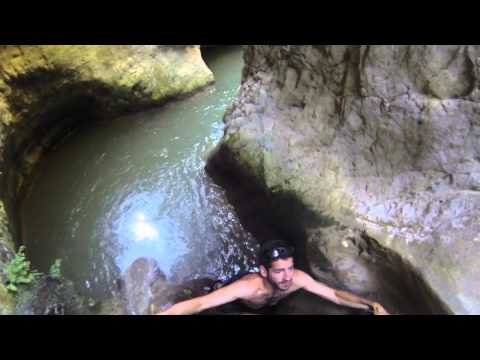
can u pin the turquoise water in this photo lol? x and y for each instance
(136, 187)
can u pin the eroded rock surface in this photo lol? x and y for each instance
(383, 139)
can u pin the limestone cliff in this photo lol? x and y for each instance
(384, 139)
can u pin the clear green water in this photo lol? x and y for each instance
(136, 187)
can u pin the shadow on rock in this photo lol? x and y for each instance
(338, 255)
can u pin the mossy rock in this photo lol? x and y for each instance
(6, 244)
(36, 75)
(7, 301)
(51, 296)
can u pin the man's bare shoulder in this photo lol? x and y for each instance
(301, 278)
(251, 281)
(246, 286)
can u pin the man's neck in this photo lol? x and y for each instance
(268, 286)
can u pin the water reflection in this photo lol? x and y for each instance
(141, 228)
(137, 187)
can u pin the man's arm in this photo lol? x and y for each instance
(232, 292)
(337, 296)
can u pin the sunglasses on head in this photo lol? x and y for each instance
(280, 252)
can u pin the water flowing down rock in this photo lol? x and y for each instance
(380, 139)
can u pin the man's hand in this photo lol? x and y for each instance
(379, 309)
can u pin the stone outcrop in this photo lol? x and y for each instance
(382, 141)
(47, 89)
(146, 291)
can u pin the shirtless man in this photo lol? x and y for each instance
(277, 279)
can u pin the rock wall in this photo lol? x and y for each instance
(47, 89)
(380, 140)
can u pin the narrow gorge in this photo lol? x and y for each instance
(151, 171)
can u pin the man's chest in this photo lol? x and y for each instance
(263, 298)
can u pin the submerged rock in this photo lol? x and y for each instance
(380, 139)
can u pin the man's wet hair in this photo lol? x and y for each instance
(274, 250)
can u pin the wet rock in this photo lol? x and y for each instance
(144, 283)
(146, 290)
(50, 296)
(381, 139)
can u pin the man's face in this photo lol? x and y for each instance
(280, 273)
